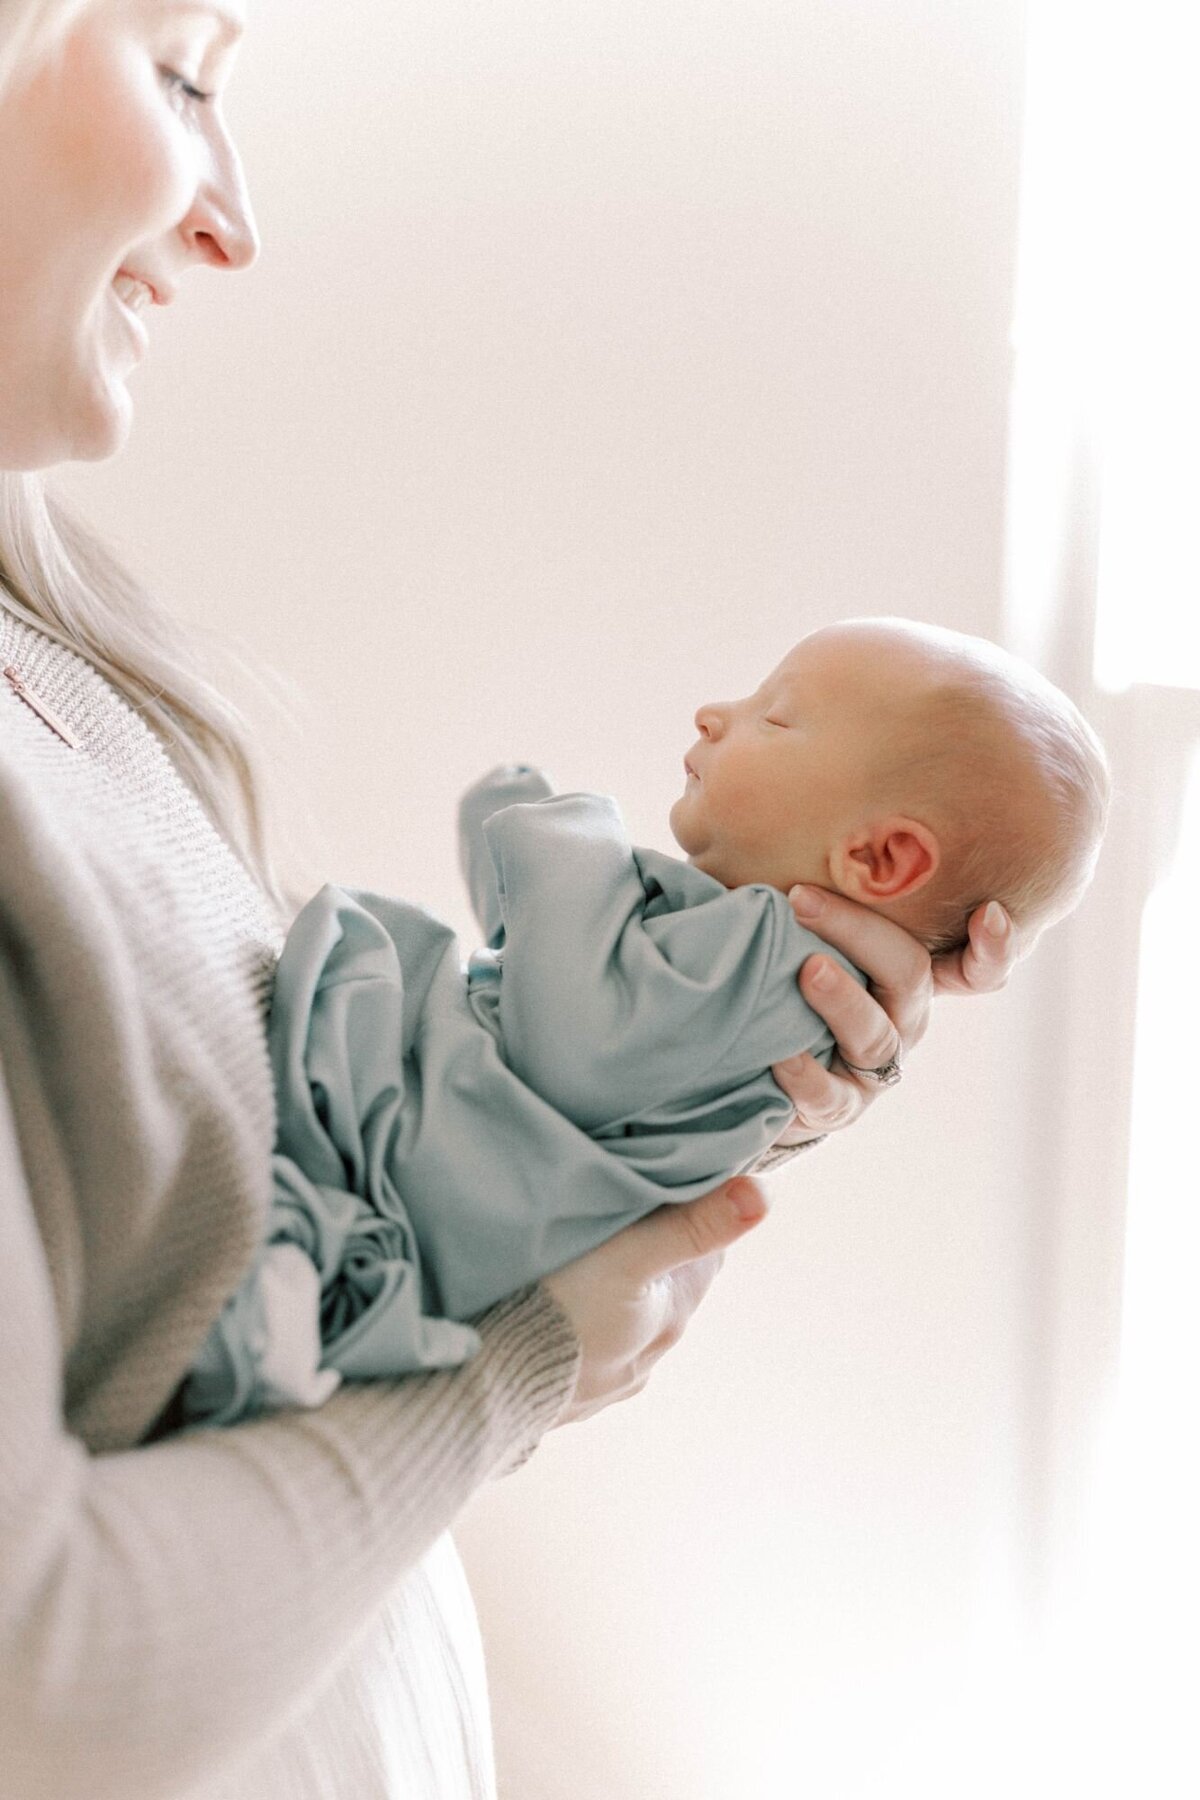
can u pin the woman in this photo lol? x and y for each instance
(274, 1609)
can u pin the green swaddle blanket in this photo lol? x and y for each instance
(447, 1135)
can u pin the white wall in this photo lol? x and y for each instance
(598, 349)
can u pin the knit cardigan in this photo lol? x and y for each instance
(166, 1607)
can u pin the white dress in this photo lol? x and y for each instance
(406, 1716)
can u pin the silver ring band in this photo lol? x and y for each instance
(887, 1075)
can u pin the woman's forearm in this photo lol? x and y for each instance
(165, 1607)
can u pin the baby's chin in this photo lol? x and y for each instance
(689, 842)
(696, 846)
(708, 864)
(678, 829)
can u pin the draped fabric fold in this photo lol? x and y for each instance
(447, 1136)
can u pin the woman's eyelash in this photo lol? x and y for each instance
(175, 80)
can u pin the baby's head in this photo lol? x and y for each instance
(911, 768)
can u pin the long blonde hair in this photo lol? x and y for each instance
(57, 575)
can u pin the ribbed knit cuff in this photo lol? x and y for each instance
(776, 1155)
(531, 1330)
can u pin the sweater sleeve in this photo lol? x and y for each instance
(164, 1608)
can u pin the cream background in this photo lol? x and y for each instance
(598, 349)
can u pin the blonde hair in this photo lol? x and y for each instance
(1016, 784)
(57, 575)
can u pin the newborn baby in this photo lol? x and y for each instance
(446, 1137)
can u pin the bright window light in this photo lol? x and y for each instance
(1108, 314)
(1159, 1304)
(1105, 508)
(1117, 1684)
(1148, 589)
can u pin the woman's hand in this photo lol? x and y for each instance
(875, 1026)
(629, 1300)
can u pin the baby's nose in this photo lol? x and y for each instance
(709, 721)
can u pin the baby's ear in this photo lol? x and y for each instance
(887, 860)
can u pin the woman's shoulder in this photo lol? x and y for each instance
(82, 770)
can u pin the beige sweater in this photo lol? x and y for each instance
(163, 1609)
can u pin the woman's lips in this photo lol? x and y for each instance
(137, 329)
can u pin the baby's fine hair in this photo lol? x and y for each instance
(1008, 771)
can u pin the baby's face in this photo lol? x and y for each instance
(779, 778)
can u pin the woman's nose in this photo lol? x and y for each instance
(220, 227)
(710, 721)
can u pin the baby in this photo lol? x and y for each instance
(913, 769)
(447, 1136)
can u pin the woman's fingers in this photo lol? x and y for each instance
(631, 1298)
(988, 959)
(686, 1246)
(874, 1027)
(687, 1242)
(871, 1028)
(896, 965)
(823, 1101)
(866, 1036)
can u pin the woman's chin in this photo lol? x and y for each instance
(101, 428)
(90, 429)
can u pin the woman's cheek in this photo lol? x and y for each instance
(126, 146)
(158, 156)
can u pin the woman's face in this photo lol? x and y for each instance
(117, 175)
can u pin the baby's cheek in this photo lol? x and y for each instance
(754, 798)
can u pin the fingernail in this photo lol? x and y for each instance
(994, 921)
(822, 974)
(806, 901)
(746, 1201)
